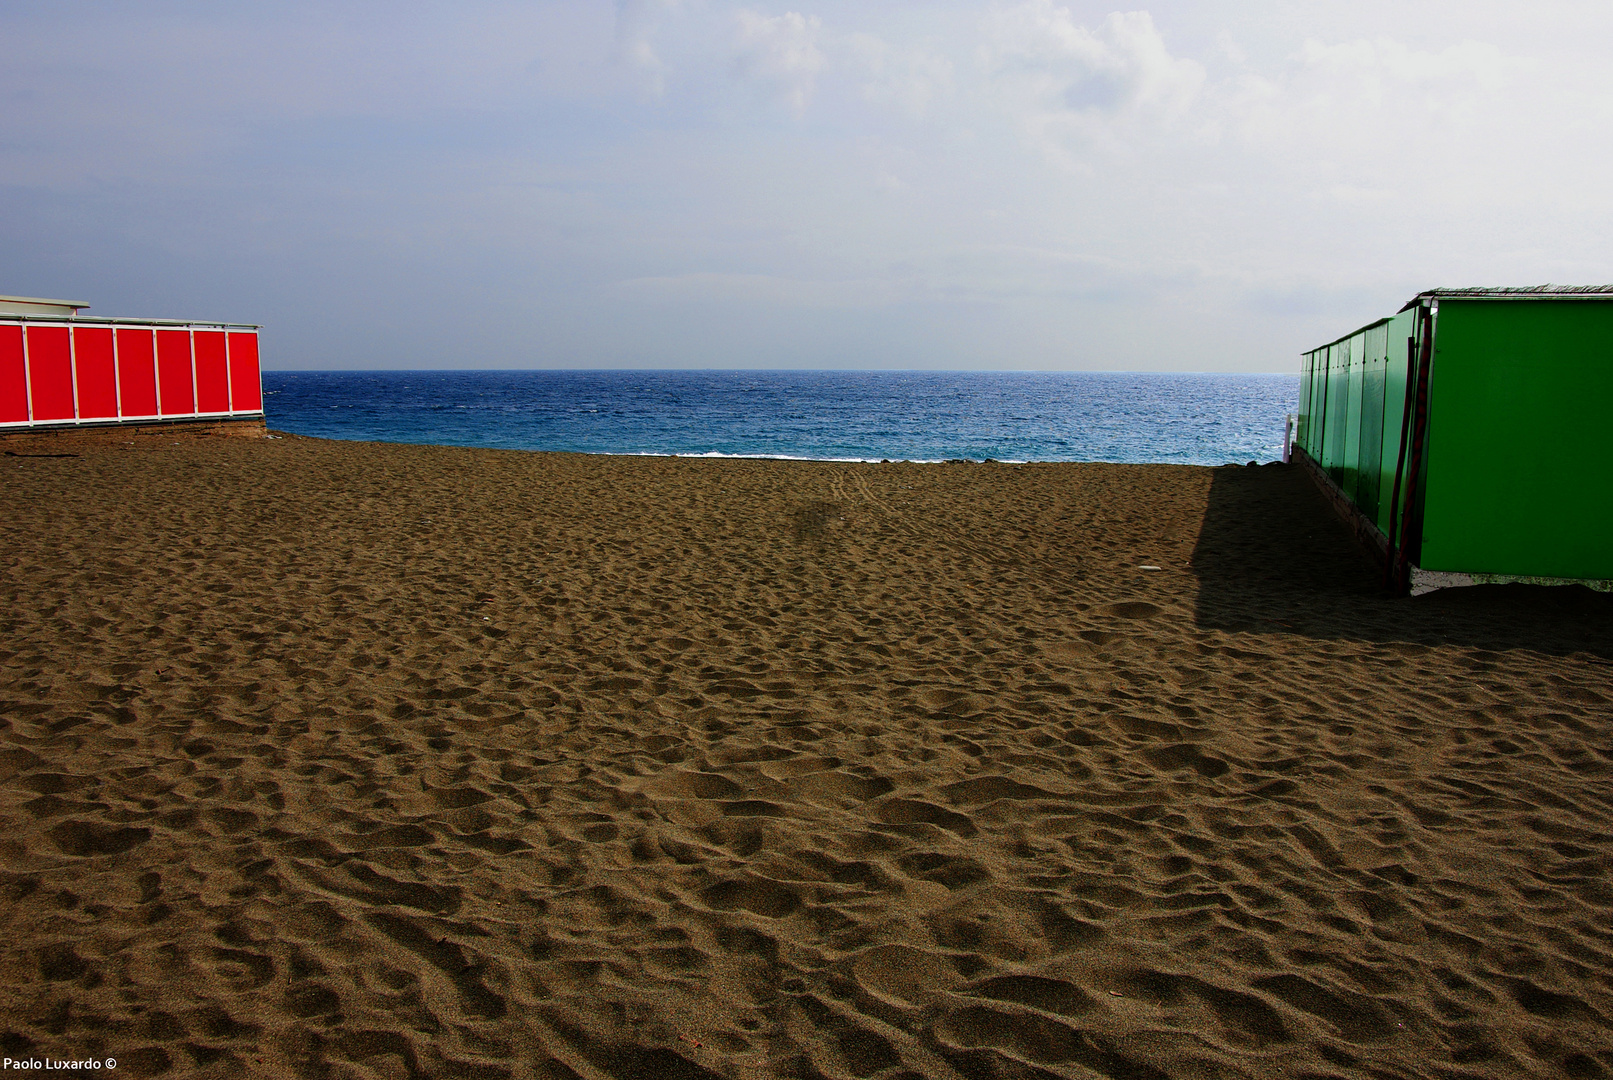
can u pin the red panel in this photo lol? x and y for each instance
(246, 385)
(13, 380)
(92, 360)
(173, 372)
(137, 375)
(212, 378)
(50, 372)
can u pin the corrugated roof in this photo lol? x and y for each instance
(1524, 292)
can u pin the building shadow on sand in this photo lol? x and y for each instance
(1273, 557)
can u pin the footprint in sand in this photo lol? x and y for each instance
(904, 976)
(913, 812)
(84, 838)
(759, 896)
(1186, 756)
(678, 784)
(1133, 609)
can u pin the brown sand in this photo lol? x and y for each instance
(326, 759)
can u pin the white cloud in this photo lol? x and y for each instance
(636, 24)
(781, 52)
(909, 79)
(1229, 48)
(765, 289)
(1384, 59)
(1359, 196)
(1371, 89)
(991, 274)
(1070, 84)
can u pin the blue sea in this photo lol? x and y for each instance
(826, 415)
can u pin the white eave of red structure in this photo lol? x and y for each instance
(34, 305)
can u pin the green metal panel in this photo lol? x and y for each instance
(1338, 385)
(1341, 447)
(1399, 329)
(1371, 441)
(1520, 469)
(1314, 376)
(1350, 461)
(1313, 416)
(1319, 407)
(1341, 372)
(1320, 436)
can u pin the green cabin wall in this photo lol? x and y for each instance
(1369, 451)
(1338, 387)
(1314, 416)
(1350, 412)
(1520, 468)
(1350, 455)
(1400, 334)
(1323, 359)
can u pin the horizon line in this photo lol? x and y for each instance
(757, 371)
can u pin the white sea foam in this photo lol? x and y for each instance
(799, 457)
(779, 457)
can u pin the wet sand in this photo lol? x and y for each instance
(346, 760)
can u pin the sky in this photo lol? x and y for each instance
(1023, 185)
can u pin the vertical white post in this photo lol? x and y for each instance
(195, 391)
(229, 376)
(72, 367)
(117, 373)
(156, 370)
(27, 373)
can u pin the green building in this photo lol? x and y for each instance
(1463, 435)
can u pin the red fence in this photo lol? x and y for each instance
(98, 371)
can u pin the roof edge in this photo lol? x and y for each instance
(43, 302)
(1345, 337)
(117, 320)
(1524, 292)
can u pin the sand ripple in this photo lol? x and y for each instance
(345, 760)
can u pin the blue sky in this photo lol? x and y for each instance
(678, 183)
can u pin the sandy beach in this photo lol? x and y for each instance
(326, 759)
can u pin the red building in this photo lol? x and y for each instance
(62, 370)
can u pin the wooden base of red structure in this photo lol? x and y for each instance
(66, 437)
